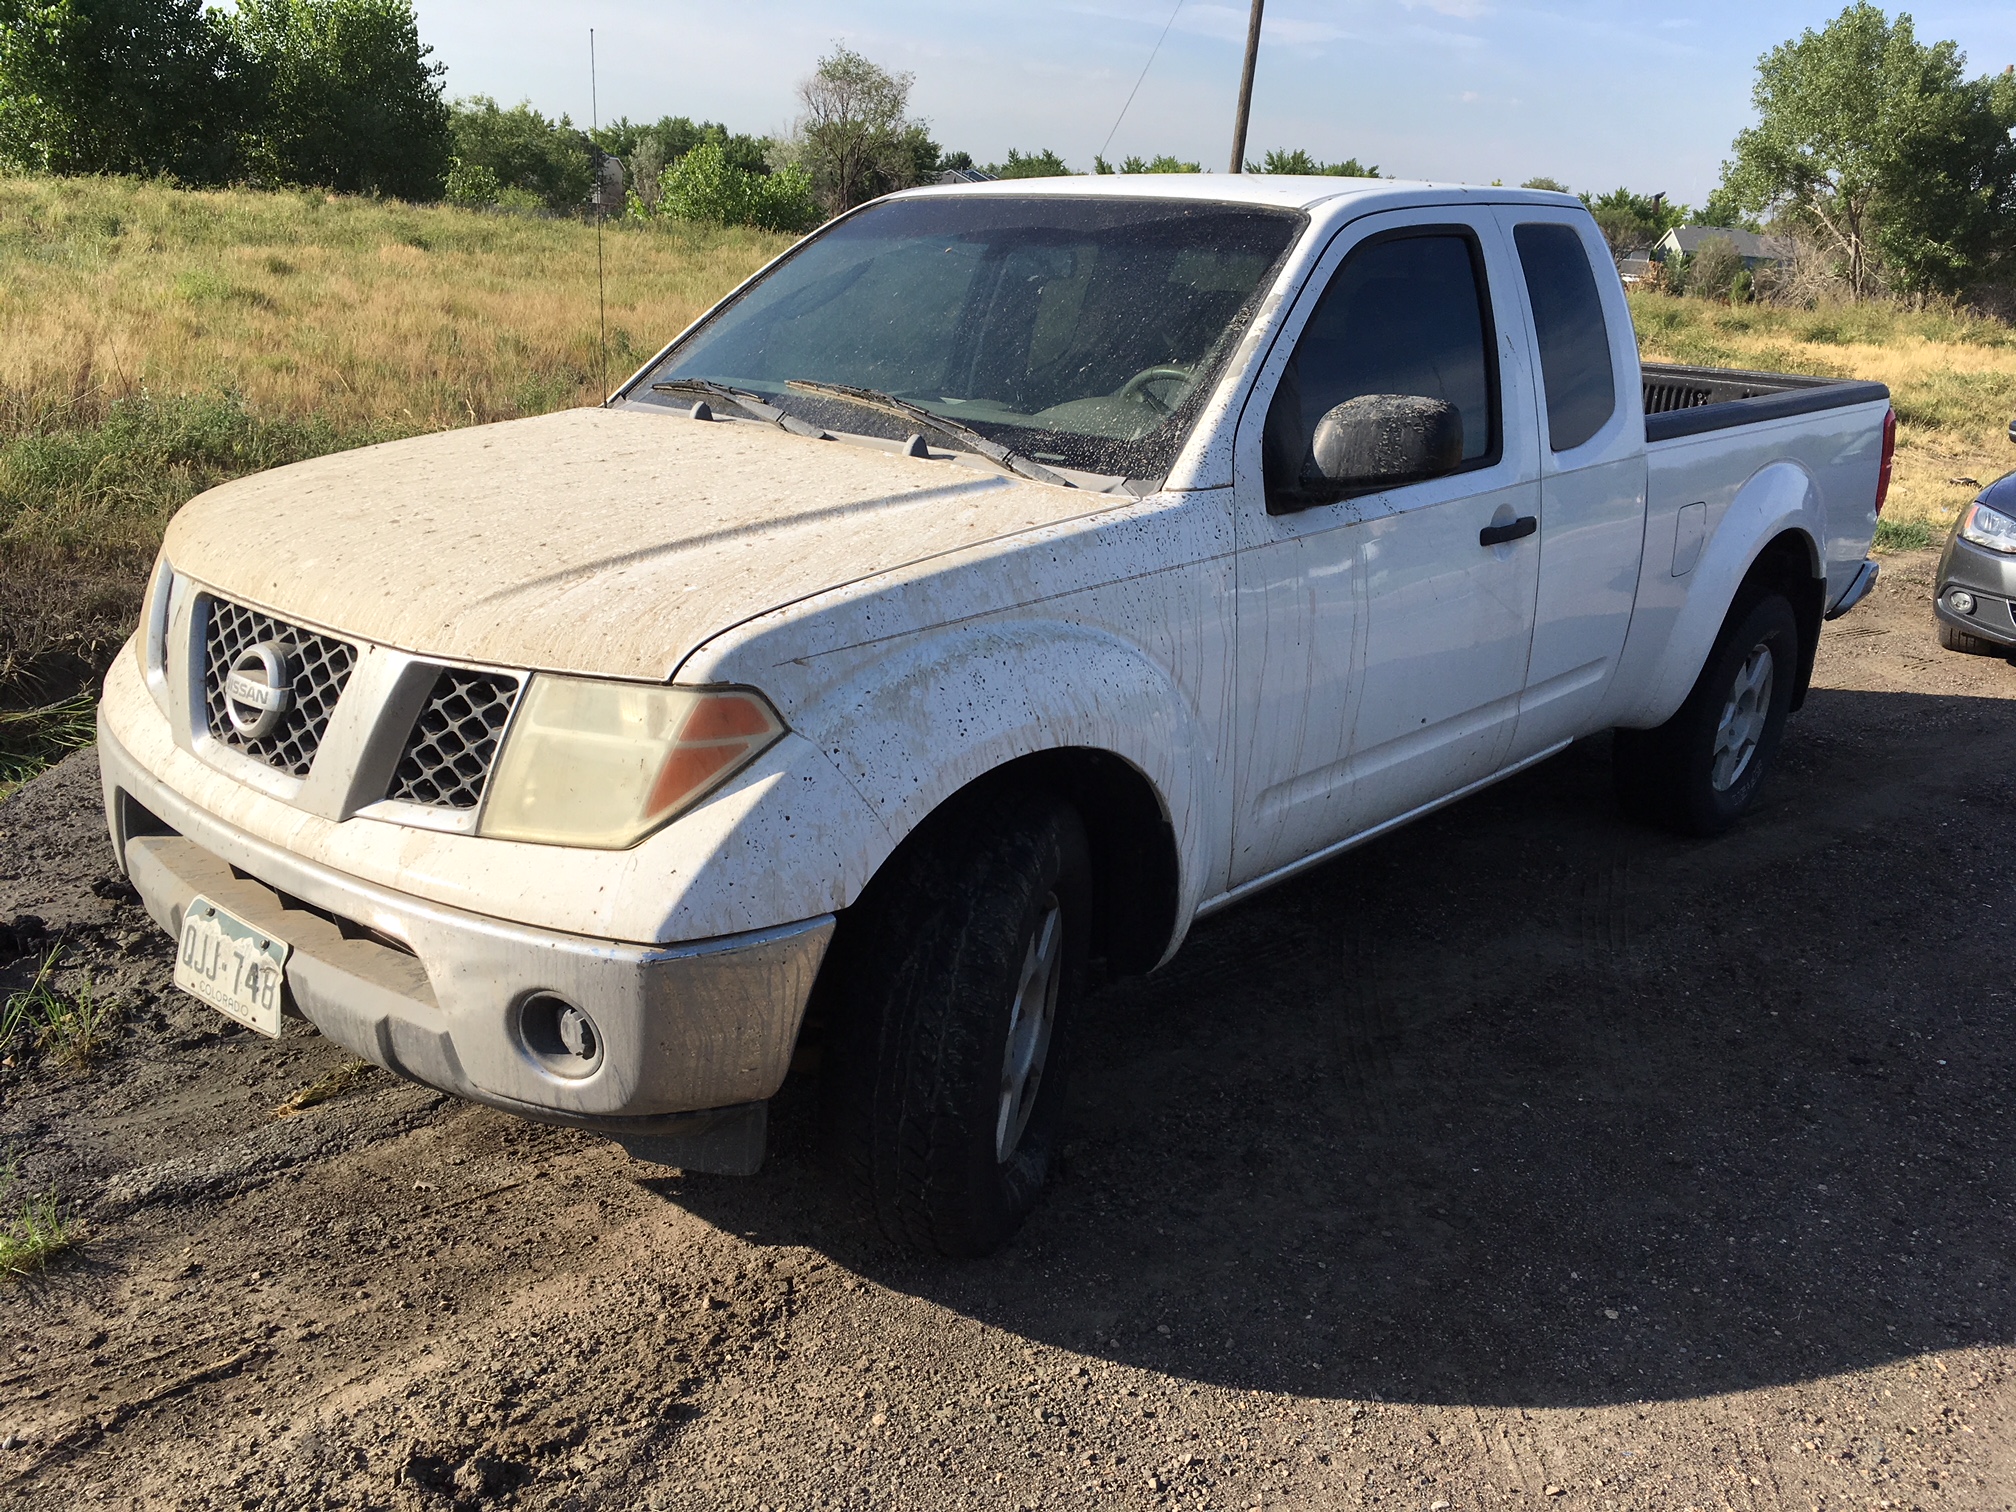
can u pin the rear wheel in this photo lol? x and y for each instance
(957, 976)
(1700, 770)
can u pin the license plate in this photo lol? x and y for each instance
(236, 969)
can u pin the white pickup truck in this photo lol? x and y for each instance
(1002, 579)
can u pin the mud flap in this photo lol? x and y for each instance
(718, 1142)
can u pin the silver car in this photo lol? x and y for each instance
(1976, 601)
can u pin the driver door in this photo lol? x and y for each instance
(1382, 638)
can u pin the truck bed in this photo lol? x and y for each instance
(1687, 401)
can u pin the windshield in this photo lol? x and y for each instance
(1080, 332)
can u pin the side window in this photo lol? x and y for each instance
(1406, 316)
(1574, 341)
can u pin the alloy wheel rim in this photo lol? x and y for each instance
(1031, 1018)
(1744, 712)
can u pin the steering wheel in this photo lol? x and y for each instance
(1136, 388)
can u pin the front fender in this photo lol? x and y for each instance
(1676, 620)
(911, 729)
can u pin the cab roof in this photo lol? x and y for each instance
(1274, 190)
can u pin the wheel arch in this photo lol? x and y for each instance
(1790, 564)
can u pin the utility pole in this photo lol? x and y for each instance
(1246, 90)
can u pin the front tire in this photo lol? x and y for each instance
(957, 975)
(1700, 771)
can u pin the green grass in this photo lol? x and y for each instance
(34, 1229)
(1906, 535)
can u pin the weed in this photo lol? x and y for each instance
(78, 1029)
(324, 1088)
(33, 1229)
(71, 1029)
(23, 1013)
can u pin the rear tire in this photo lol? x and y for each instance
(1698, 772)
(1954, 639)
(957, 975)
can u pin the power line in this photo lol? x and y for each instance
(1138, 82)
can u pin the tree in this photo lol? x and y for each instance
(1554, 186)
(1162, 164)
(1631, 222)
(1878, 145)
(852, 137)
(705, 186)
(120, 86)
(525, 151)
(1043, 164)
(349, 99)
(1283, 160)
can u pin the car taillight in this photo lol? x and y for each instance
(1889, 456)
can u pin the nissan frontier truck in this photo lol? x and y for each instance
(1003, 579)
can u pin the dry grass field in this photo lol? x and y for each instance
(155, 341)
(1952, 377)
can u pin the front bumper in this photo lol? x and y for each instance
(439, 995)
(1991, 577)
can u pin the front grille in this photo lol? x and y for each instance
(318, 667)
(453, 743)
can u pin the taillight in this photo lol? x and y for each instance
(1889, 456)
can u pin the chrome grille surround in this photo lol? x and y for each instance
(453, 743)
(320, 667)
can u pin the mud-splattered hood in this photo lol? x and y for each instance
(601, 541)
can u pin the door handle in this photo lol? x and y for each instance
(1498, 535)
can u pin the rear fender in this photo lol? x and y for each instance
(1674, 625)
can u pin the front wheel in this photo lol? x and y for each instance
(1698, 772)
(957, 975)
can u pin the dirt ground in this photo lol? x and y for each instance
(1524, 1159)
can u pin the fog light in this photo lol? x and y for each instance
(561, 1037)
(1960, 601)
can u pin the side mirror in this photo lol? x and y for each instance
(1382, 440)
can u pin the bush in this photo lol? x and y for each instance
(1713, 269)
(472, 184)
(704, 186)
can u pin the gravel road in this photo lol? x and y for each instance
(1523, 1159)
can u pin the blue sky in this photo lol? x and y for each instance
(1593, 94)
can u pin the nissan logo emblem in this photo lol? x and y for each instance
(258, 690)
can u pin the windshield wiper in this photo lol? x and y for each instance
(754, 404)
(965, 435)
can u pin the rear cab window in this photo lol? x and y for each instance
(1574, 338)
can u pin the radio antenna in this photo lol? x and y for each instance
(601, 280)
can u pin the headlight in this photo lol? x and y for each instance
(1989, 527)
(603, 764)
(150, 638)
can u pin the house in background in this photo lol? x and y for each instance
(1756, 251)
